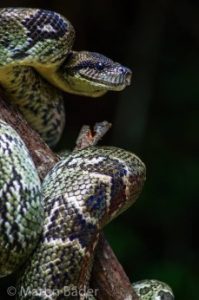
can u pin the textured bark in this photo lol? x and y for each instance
(108, 275)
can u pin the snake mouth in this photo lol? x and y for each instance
(109, 81)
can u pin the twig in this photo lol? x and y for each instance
(87, 137)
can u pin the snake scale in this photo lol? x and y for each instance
(49, 230)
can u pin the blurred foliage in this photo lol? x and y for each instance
(157, 117)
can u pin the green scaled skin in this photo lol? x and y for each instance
(21, 210)
(150, 289)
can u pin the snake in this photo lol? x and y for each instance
(49, 230)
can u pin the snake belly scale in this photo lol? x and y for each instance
(51, 229)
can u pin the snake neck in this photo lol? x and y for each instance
(40, 103)
(69, 83)
(82, 73)
(87, 73)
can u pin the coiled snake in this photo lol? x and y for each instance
(53, 227)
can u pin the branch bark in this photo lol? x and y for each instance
(108, 275)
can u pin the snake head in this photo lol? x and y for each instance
(93, 74)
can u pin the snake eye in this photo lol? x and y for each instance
(100, 66)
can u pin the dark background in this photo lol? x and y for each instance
(156, 118)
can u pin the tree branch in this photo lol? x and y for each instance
(108, 275)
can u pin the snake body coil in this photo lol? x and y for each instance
(52, 230)
(21, 209)
(81, 195)
(55, 229)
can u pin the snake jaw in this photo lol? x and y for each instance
(115, 79)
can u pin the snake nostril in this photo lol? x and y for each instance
(126, 73)
(128, 76)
